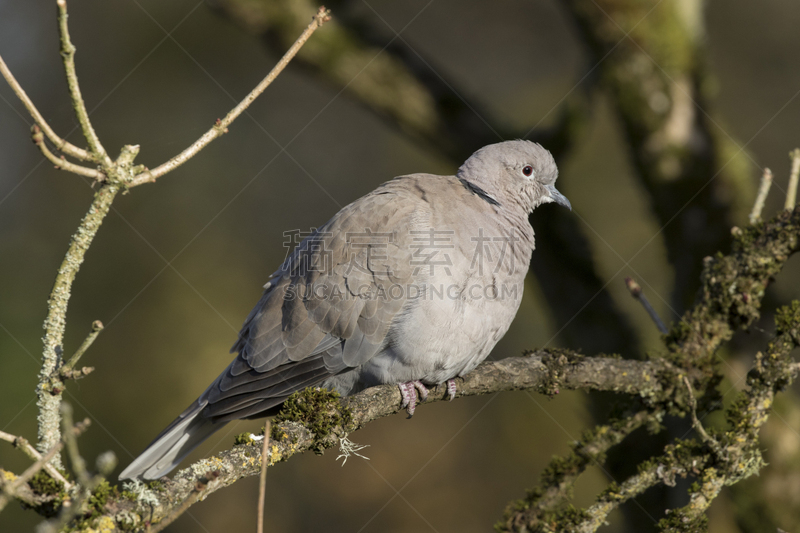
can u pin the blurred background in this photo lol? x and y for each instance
(390, 88)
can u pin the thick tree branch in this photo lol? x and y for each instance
(652, 60)
(544, 371)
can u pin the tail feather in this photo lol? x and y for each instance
(185, 434)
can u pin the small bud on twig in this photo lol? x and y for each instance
(38, 136)
(636, 292)
(66, 371)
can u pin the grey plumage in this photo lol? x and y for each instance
(414, 282)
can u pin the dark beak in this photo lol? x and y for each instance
(558, 198)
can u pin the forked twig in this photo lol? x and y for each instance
(60, 144)
(61, 163)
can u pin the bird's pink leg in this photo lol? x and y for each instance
(409, 394)
(451, 388)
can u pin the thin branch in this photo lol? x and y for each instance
(697, 425)
(763, 191)
(791, 192)
(60, 162)
(71, 442)
(68, 57)
(636, 292)
(66, 370)
(262, 483)
(60, 144)
(221, 126)
(30, 451)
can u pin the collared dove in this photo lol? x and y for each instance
(412, 284)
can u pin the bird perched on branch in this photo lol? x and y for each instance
(412, 284)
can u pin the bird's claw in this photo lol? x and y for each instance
(408, 391)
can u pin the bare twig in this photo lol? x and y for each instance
(636, 292)
(60, 162)
(60, 144)
(221, 126)
(30, 451)
(71, 442)
(68, 56)
(763, 191)
(66, 370)
(791, 192)
(262, 483)
(708, 439)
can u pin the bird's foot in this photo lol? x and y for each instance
(451, 388)
(408, 391)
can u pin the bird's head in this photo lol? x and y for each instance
(514, 172)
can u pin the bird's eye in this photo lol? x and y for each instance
(528, 170)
